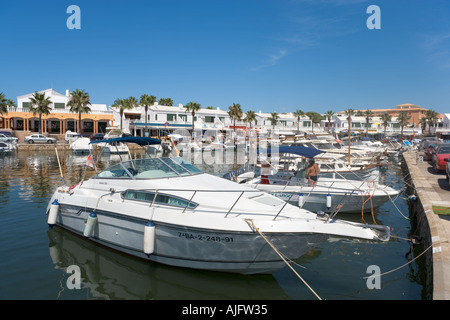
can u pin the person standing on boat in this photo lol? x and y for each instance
(311, 173)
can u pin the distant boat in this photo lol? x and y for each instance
(6, 148)
(113, 146)
(80, 145)
(334, 191)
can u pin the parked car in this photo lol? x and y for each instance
(424, 144)
(442, 151)
(39, 138)
(71, 136)
(97, 136)
(429, 150)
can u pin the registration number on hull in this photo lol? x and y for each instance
(191, 236)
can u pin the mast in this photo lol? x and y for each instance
(349, 133)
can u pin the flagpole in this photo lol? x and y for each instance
(59, 164)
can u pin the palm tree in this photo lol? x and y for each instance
(41, 105)
(3, 108)
(10, 103)
(193, 107)
(124, 104)
(329, 115)
(298, 113)
(165, 102)
(432, 117)
(131, 103)
(78, 103)
(147, 101)
(250, 116)
(423, 123)
(368, 114)
(359, 113)
(403, 120)
(385, 118)
(235, 113)
(315, 118)
(3, 104)
(274, 118)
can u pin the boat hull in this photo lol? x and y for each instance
(182, 246)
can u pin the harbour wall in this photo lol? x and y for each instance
(429, 227)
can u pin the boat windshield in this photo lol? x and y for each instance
(150, 168)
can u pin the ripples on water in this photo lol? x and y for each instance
(34, 259)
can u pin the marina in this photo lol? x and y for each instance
(335, 269)
(232, 151)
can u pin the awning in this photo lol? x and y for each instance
(142, 141)
(298, 150)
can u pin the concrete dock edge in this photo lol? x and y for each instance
(430, 193)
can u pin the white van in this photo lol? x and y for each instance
(71, 136)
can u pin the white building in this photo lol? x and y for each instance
(22, 120)
(170, 118)
(359, 124)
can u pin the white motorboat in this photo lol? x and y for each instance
(9, 142)
(166, 210)
(114, 146)
(80, 145)
(329, 195)
(341, 191)
(6, 148)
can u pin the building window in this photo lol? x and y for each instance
(209, 119)
(25, 106)
(60, 105)
(171, 117)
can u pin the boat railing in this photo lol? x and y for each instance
(195, 192)
(228, 211)
(286, 183)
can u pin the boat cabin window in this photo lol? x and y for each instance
(150, 168)
(161, 198)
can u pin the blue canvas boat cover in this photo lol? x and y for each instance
(298, 150)
(142, 141)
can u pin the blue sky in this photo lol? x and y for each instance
(283, 55)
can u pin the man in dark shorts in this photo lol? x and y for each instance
(311, 173)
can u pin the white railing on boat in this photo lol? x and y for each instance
(241, 193)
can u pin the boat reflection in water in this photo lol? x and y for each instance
(109, 274)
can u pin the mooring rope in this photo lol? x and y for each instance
(252, 225)
(393, 202)
(398, 268)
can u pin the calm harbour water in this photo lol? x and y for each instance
(34, 258)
